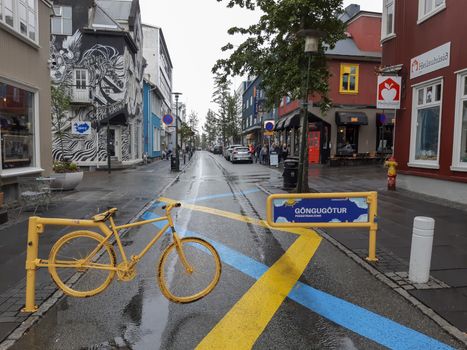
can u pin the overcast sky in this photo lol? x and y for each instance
(195, 31)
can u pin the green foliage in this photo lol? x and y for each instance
(274, 50)
(60, 102)
(65, 167)
(210, 127)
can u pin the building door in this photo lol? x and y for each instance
(114, 143)
(347, 140)
(314, 146)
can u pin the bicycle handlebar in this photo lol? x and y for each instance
(172, 205)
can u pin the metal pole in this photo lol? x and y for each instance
(176, 133)
(302, 183)
(108, 147)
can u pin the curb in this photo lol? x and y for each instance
(19, 331)
(445, 325)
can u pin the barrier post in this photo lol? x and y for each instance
(34, 229)
(373, 202)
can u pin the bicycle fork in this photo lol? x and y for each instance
(181, 254)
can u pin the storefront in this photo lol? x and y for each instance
(348, 128)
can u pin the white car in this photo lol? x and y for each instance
(241, 154)
(228, 151)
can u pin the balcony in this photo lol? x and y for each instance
(81, 96)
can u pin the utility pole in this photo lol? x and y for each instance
(108, 146)
(177, 155)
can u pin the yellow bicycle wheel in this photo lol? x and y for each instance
(190, 280)
(77, 252)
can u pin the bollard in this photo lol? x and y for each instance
(422, 245)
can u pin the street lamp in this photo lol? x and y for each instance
(311, 47)
(176, 166)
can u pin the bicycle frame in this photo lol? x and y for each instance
(37, 225)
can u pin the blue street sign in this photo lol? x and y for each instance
(269, 126)
(322, 210)
(81, 127)
(168, 119)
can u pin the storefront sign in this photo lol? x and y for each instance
(430, 61)
(274, 159)
(79, 127)
(389, 92)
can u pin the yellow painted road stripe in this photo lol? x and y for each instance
(244, 323)
(234, 216)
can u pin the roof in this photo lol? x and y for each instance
(347, 47)
(117, 9)
(101, 19)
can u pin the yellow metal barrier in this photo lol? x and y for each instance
(290, 200)
(35, 228)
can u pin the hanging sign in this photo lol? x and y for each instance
(79, 127)
(388, 92)
(168, 119)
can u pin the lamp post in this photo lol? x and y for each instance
(177, 156)
(311, 47)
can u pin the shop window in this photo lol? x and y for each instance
(349, 78)
(387, 24)
(428, 8)
(426, 118)
(459, 159)
(62, 21)
(347, 140)
(17, 127)
(21, 16)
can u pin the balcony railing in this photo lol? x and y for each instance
(81, 96)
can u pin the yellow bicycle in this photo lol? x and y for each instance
(189, 268)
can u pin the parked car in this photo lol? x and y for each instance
(217, 149)
(228, 151)
(241, 154)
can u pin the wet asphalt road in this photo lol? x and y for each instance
(134, 315)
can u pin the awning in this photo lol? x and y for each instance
(292, 121)
(351, 118)
(280, 124)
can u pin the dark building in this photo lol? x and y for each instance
(96, 55)
(423, 42)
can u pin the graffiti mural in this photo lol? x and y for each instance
(112, 91)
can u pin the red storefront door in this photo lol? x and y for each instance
(313, 146)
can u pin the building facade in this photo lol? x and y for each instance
(352, 126)
(24, 91)
(158, 73)
(423, 42)
(255, 113)
(152, 125)
(96, 55)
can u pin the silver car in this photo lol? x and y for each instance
(241, 154)
(228, 151)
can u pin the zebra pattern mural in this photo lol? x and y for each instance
(110, 74)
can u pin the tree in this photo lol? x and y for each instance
(274, 50)
(60, 103)
(220, 97)
(211, 127)
(204, 141)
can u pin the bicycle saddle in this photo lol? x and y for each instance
(105, 215)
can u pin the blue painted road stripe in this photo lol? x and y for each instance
(214, 196)
(355, 318)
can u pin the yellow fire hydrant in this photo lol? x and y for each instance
(391, 164)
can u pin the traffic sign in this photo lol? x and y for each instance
(168, 119)
(269, 125)
(79, 127)
(389, 92)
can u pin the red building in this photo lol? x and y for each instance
(351, 126)
(423, 42)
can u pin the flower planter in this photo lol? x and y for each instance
(66, 181)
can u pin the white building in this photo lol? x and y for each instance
(159, 73)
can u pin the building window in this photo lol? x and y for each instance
(347, 140)
(387, 24)
(156, 141)
(17, 127)
(81, 79)
(349, 79)
(426, 118)
(428, 8)
(62, 21)
(459, 158)
(21, 16)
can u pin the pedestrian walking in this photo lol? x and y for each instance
(285, 151)
(251, 150)
(257, 153)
